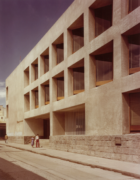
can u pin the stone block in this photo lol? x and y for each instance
(117, 156)
(136, 159)
(130, 158)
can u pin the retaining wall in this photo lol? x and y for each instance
(124, 148)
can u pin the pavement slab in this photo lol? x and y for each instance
(126, 168)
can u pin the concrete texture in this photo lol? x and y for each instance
(2, 114)
(70, 159)
(106, 106)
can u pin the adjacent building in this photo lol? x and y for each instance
(2, 121)
(82, 78)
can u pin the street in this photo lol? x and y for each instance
(22, 165)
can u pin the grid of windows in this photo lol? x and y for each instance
(103, 62)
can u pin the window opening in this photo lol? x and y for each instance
(78, 79)
(134, 111)
(75, 123)
(46, 63)
(36, 71)
(36, 99)
(133, 4)
(103, 19)
(60, 88)
(47, 98)
(60, 52)
(134, 51)
(78, 38)
(104, 67)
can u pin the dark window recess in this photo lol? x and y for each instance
(134, 111)
(46, 63)
(103, 19)
(36, 71)
(60, 87)
(46, 128)
(36, 99)
(134, 51)
(104, 67)
(78, 39)
(78, 78)
(133, 4)
(60, 52)
(47, 93)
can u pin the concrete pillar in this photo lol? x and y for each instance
(117, 57)
(116, 11)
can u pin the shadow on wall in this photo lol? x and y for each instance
(34, 127)
(11, 171)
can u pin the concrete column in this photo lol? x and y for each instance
(125, 56)
(116, 11)
(39, 67)
(86, 27)
(117, 57)
(39, 95)
(92, 72)
(69, 43)
(91, 24)
(124, 8)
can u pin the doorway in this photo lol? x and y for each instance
(46, 128)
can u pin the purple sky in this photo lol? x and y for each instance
(22, 24)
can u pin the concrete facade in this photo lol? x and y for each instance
(2, 114)
(106, 106)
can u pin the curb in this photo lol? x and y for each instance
(80, 162)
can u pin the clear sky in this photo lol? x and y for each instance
(22, 24)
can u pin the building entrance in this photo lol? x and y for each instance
(134, 100)
(2, 130)
(46, 128)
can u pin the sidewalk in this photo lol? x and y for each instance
(126, 168)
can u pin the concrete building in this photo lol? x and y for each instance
(82, 78)
(2, 121)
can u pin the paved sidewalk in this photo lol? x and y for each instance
(126, 168)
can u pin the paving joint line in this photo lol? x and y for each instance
(79, 162)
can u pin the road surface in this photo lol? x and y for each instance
(23, 165)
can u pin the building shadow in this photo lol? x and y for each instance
(10, 171)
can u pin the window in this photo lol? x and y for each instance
(60, 88)
(36, 71)
(133, 4)
(103, 19)
(104, 68)
(75, 123)
(78, 80)
(47, 99)
(46, 63)
(36, 99)
(60, 53)
(134, 53)
(78, 39)
(134, 111)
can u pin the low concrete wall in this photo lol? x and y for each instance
(21, 139)
(123, 148)
(16, 139)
